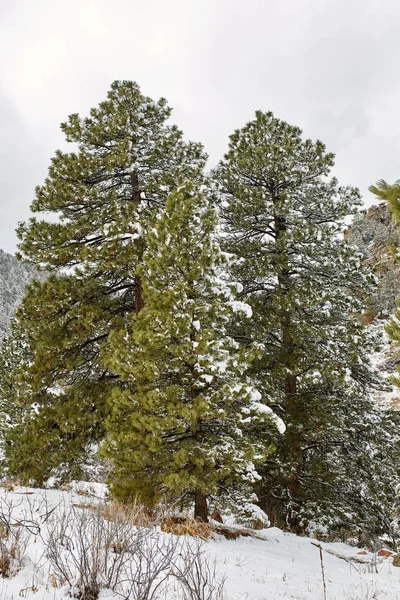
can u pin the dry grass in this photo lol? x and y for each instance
(83, 505)
(367, 318)
(145, 517)
(186, 526)
(9, 484)
(81, 492)
(13, 543)
(3, 532)
(169, 523)
(395, 402)
(179, 525)
(133, 513)
(5, 565)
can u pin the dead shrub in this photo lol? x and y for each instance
(14, 538)
(91, 552)
(198, 575)
(79, 545)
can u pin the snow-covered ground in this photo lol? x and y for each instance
(278, 566)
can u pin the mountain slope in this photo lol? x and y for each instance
(14, 276)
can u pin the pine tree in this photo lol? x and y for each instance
(14, 353)
(391, 195)
(180, 424)
(284, 222)
(105, 194)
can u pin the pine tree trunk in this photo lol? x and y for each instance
(139, 302)
(200, 506)
(294, 416)
(294, 442)
(292, 405)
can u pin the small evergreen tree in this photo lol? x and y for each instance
(390, 194)
(14, 353)
(180, 423)
(284, 222)
(106, 195)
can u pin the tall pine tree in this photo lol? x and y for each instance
(181, 424)
(105, 195)
(284, 222)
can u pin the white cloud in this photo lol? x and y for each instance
(329, 66)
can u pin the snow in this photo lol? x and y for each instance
(238, 306)
(196, 325)
(263, 409)
(273, 565)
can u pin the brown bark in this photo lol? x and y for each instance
(294, 441)
(200, 506)
(139, 302)
(288, 347)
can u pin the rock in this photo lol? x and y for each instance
(363, 552)
(385, 553)
(216, 516)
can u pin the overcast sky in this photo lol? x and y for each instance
(329, 66)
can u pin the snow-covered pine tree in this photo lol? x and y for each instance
(375, 234)
(284, 221)
(181, 422)
(391, 195)
(14, 277)
(14, 353)
(105, 194)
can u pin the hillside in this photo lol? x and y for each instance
(14, 276)
(374, 234)
(57, 555)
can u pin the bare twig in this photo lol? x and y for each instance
(322, 568)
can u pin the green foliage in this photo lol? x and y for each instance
(105, 195)
(396, 560)
(135, 342)
(52, 433)
(14, 354)
(390, 194)
(285, 220)
(182, 420)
